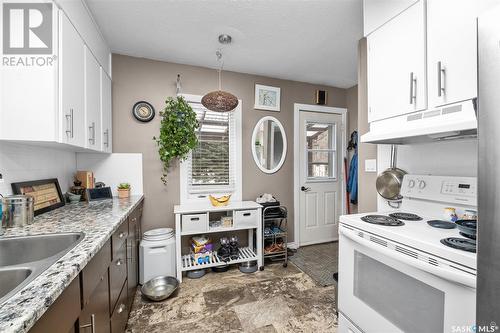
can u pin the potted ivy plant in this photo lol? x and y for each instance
(123, 190)
(177, 132)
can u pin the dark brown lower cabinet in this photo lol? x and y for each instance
(100, 298)
(119, 316)
(63, 314)
(94, 317)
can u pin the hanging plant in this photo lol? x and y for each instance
(177, 132)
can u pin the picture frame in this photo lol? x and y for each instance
(49, 189)
(267, 98)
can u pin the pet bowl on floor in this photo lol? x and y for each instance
(160, 288)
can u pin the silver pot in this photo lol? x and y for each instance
(389, 182)
(17, 211)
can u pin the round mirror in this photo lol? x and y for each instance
(269, 144)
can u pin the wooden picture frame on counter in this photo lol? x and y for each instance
(46, 193)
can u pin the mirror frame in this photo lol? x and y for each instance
(254, 153)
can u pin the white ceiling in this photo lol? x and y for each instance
(304, 40)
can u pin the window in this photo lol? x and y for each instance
(321, 148)
(214, 166)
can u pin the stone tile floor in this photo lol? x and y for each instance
(319, 261)
(275, 300)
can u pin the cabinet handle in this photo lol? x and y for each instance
(441, 73)
(106, 133)
(69, 117)
(413, 88)
(92, 133)
(121, 308)
(119, 262)
(121, 235)
(91, 325)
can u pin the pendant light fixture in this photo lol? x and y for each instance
(219, 100)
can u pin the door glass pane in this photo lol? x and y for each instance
(321, 150)
(320, 164)
(408, 303)
(320, 136)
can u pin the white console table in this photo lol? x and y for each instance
(194, 219)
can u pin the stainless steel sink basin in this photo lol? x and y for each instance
(19, 250)
(22, 259)
(11, 278)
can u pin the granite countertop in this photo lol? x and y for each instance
(98, 220)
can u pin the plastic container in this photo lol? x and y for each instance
(157, 254)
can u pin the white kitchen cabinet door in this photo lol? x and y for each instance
(396, 65)
(106, 113)
(378, 12)
(92, 101)
(452, 51)
(71, 85)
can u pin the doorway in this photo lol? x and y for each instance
(319, 189)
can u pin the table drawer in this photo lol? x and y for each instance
(120, 314)
(91, 274)
(117, 274)
(246, 218)
(194, 223)
(119, 237)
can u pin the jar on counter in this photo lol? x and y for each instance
(450, 214)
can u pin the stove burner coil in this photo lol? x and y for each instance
(464, 244)
(382, 220)
(405, 216)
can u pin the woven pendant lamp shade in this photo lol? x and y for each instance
(220, 101)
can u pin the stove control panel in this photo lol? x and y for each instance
(458, 190)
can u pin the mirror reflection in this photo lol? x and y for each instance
(269, 144)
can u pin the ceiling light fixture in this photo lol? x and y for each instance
(219, 100)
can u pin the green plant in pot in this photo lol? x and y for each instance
(177, 132)
(123, 190)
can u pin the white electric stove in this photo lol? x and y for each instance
(396, 273)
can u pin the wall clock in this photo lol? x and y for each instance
(143, 111)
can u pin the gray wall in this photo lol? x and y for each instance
(367, 192)
(137, 79)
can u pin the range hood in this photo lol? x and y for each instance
(446, 123)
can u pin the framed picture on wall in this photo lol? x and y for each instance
(267, 98)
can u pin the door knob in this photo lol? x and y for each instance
(305, 189)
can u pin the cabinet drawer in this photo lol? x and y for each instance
(62, 315)
(245, 218)
(119, 237)
(95, 315)
(91, 274)
(194, 223)
(120, 314)
(117, 274)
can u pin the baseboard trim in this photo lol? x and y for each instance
(293, 245)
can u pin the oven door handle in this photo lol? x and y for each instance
(447, 274)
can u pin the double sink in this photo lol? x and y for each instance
(22, 259)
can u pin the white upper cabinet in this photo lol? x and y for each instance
(378, 12)
(92, 101)
(106, 110)
(71, 83)
(452, 51)
(397, 65)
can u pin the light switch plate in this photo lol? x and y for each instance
(371, 165)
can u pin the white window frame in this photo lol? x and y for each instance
(188, 197)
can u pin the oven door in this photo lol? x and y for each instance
(386, 287)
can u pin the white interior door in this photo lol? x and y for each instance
(320, 198)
